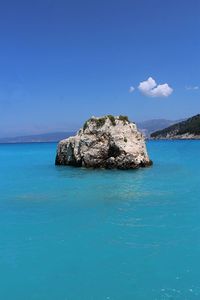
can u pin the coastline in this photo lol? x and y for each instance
(183, 138)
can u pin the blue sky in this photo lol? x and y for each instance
(64, 61)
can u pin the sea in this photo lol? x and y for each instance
(71, 233)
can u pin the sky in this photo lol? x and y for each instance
(62, 62)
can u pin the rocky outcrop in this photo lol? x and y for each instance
(105, 142)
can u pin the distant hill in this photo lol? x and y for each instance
(188, 129)
(146, 127)
(150, 126)
(39, 138)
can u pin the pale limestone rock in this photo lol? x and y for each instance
(105, 142)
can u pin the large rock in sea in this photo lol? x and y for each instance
(105, 142)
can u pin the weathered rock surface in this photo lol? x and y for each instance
(106, 142)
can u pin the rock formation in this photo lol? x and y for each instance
(105, 142)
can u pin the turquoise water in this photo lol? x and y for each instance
(76, 234)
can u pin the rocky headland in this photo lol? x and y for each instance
(105, 142)
(186, 130)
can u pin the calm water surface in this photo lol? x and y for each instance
(76, 234)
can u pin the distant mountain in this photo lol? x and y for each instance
(150, 126)
(39, 138)
(146, 127)
(188, 129)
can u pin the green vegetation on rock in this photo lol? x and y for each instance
(98, 121)
(112, 119)
(101, 121)
(85, 125)
(124, 119)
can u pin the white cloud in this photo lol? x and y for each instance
(151, 89)
(131, 89)
(194, 88)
